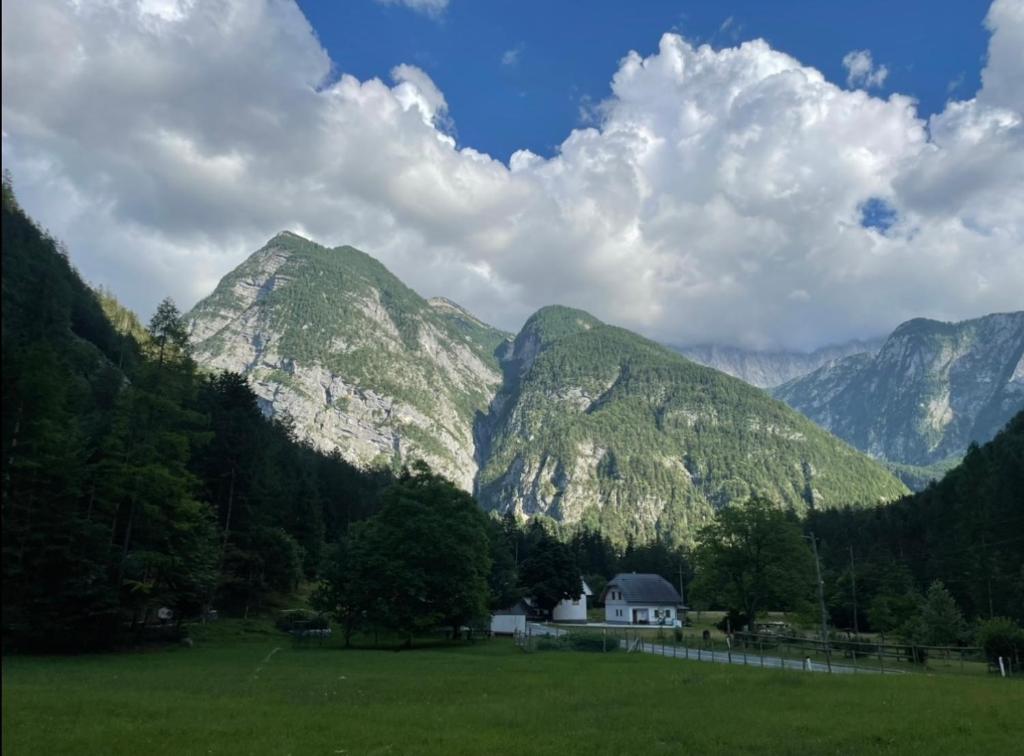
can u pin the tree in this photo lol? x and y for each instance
(1001, 636)
(751, 558)
(422, 561)
(939, 621)
(503, 579)
(549, 574)
(341, 591)
(168, 331)
(893, 600)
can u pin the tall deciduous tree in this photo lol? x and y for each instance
(753, 558)
(422, 561)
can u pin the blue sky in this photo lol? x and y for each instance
(568, 51)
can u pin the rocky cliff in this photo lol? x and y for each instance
(356, 360)
(931, 390)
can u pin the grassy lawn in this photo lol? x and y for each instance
(236, 694)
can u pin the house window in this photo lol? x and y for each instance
(618, 612)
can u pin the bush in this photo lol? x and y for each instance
(548, 643)
(593, 643)
(734, 620)
(1001, 636)
(295, 619)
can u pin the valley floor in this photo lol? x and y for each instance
(258, 693)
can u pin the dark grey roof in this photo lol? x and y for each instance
(522, 606)
(643, 588)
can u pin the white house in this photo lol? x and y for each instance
(641, 599)
(573, 610)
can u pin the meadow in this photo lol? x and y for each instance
(245, 689)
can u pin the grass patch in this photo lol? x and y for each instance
(234, 693)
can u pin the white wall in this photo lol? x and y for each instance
(568, 610)
(507, 624)
(620, 612)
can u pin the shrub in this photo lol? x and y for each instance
(293, 619)
(1001, 636)
(549, 644)
(733, 620)
(593, 643)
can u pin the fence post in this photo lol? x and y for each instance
(762, 652)
(686, 648)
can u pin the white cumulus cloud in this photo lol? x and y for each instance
(861, 70)
(718, 195)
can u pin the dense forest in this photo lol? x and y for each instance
(133, 482)
(965, 531)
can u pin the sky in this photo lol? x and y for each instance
(782, 176)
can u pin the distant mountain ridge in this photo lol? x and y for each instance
(768, 369)
(573, 419)
(931, 390)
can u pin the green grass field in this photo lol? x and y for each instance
(236, 694)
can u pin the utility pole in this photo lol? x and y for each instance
(821, 601)
(853, 589)
(681, 597)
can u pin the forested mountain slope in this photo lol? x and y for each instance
(600, 426)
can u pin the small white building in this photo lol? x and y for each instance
(642, 599)
(573, 610)
(513, 619)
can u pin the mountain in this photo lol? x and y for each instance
(598, 425)
(573, 419)
(358, 361)
(931, 390)
(769, 369)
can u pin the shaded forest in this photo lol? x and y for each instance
(131, 480)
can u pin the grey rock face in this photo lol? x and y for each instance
(932, 389)
(356, 361)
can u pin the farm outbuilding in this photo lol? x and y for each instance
(513, 619)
